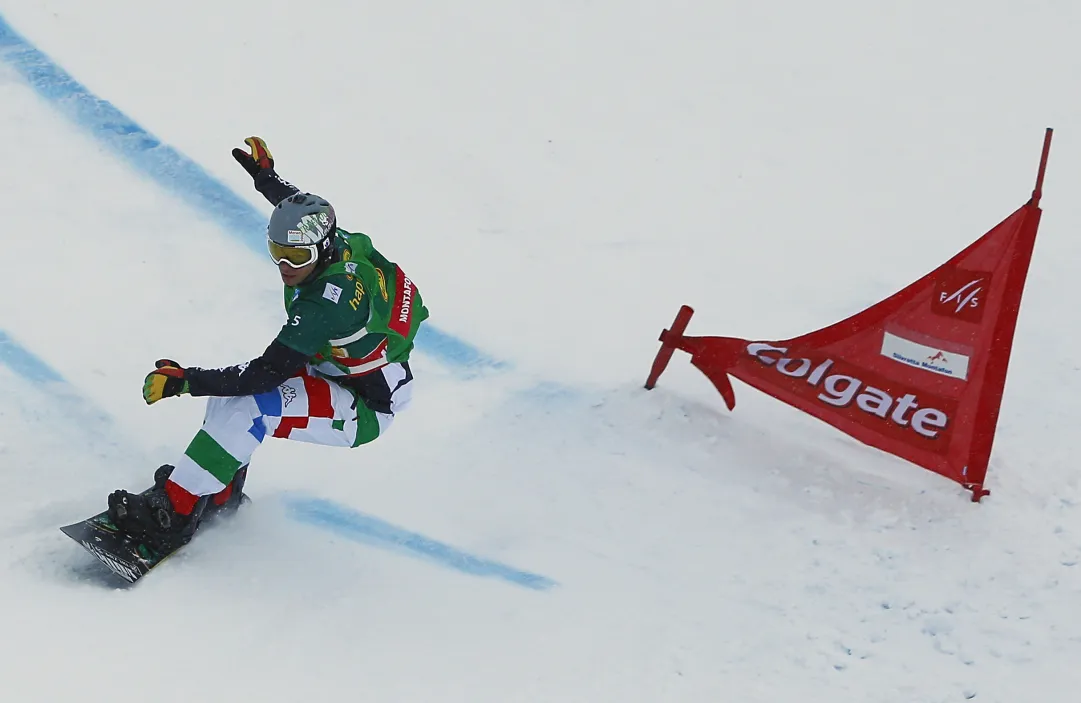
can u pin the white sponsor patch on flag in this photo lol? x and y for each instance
(921, 356)
(332, 292)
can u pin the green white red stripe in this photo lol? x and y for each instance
(351, 366)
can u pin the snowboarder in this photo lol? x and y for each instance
(337, 373)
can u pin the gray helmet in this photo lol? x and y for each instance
(303, 220)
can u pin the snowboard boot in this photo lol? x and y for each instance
(150, 516)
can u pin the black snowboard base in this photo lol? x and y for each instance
(126, 556)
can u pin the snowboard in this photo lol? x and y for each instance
(124, 555)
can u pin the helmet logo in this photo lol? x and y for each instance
(314, 227)
(295, 236)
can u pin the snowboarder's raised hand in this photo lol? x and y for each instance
(256, 159)
(259, 164)
(166, 380)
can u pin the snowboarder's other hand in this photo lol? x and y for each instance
(167, 379)
(256, 159)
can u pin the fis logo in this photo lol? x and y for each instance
(967, 296)
(960, 295)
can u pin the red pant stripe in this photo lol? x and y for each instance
(318, 397)
(288, 424)
(223, 495)
(183, 502)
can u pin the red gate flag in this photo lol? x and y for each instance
(919, 375)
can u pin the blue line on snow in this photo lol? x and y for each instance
(89, 422)
(169, 168)
(24, 363)
(371, 530)
(177, 173)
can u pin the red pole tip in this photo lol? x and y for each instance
(1037, 192)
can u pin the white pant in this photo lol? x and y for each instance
(306, 408)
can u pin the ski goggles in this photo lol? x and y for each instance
(295, 256)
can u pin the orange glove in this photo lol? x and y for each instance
(256, 159)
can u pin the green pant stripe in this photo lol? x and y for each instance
(367, 425)
(210, 455)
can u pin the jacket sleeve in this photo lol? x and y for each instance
(259, 375)
(273, 187)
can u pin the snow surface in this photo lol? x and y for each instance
(558, 177)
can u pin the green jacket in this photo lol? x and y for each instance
(356, 316)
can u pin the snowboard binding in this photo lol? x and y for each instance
(149, 517)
